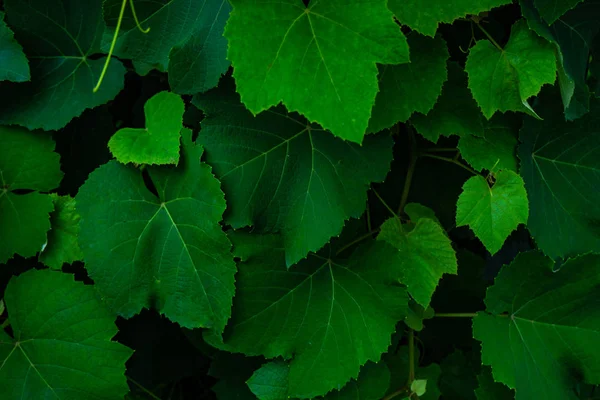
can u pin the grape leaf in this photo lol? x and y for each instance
(455, 113)
(489, 389)
(62, 346)
(185, 38)
(547, 342)
(167, 251)
(417, 314)
(27, 161)
(158, 143)
(399, 366)
(270, 381)
(62, 40)
(319, 60)
(424, 254)
(63, 245)
(15, 66)
(425, 17)
(503, 80)
(413, 87)
(331, 317)
(496, 149)
(493, 212)
(551, 10)
(560, 163)
(572, 36)
(280, 173)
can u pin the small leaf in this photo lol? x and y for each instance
(63, 245)
(398, 363)
(419, 387)
(493, 212)
(158, 143)
(416, 315)
(413, 87)
(503, 80)
(62, 346)
(15, 66)
(270, 382)
(320, 60)
(27, 161)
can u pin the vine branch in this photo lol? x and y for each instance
(411, 169)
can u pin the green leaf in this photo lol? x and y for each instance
(63, 245)
(15, 66)
(398, 363)
(271, 381)
(280, 173)
(27, 162)
(495, 150)
(493, 212)
(185, 38)
(455, 113)
(319, 60)
(408, 88)
(547, 343)
(419, 387)
(489, 389)
(168, 251)
(416, 315)
(424, 254)
(572, 37)
(425, 17)
(371, 384)
(560, 163)
(158, 143)
(503, 80)
(62, 40)
(62, 346)
(551, 10)
(330, 316)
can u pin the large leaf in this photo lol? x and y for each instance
(413, 87)
(62, 40)
(27, 161)
(185, 38)
(503, 79)
(547, 343)
(166, 251)
(560, 163)
(424, 254)
(425, 17)
(158, 142)
(280, 173)
(330, 316)
(319, 60)
(455, 113)
(493, 212)
(61, 346)
(15, 66)
(63, 244)
(572, 36)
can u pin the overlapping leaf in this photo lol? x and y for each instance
(185, 38)
(330, 316)
(413, 87)
(27, 161)
(551, 10)
(319, 60)
(164, 251)
(280, 173)
(493, 212)
(158, 143)
(546, 344)
(62, 40)
(15, 66)
(425, 17)
(504, 79)
(560, 163)
(61, 346)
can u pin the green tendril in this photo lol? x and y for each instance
(114, 41)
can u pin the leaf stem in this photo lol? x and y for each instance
(455, 315)
(412, 162)
(489, 36)
(396, 393)
(384, 203)
(440, 149)
(148, 392)
(5, 324)
(411, 357)
(451, 160)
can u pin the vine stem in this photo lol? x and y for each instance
(489, 36)
(411, 357)
(142, 388)
(450, 160)
(455, 315)
(411, 170)
(357, 240)
(385, 204)
(396, 393)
